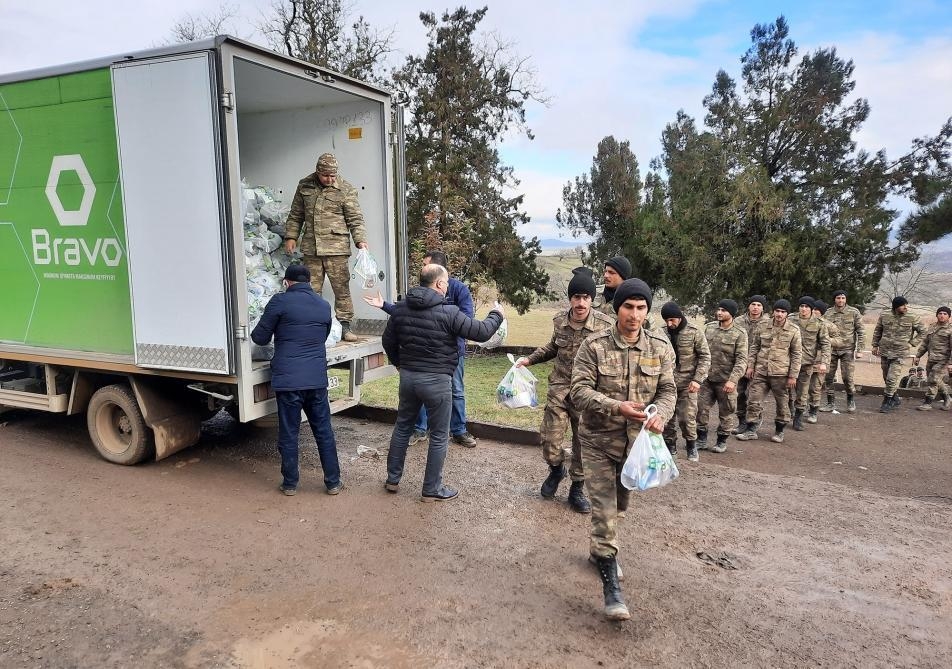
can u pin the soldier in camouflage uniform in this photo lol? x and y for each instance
(896, 332)
(325, 215)
(848, 343)
(773, 364)
(617, 269)
(692, 359)
(815, 358)
(569, 328)
(728, 345)
(753, 322)
(617, 373)
(818, 385)
(938, 343)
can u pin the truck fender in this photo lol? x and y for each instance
(174, 421)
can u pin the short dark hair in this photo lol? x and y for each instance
(438, 258)
(430, 274)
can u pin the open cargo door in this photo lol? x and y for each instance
(170, 160)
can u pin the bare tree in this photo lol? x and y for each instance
(193, 27)
(919, 283)
(317, 31)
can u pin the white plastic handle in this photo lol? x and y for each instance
(650, 411)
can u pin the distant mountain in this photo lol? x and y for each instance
(555, 244)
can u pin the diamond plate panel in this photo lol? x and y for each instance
(194, 358)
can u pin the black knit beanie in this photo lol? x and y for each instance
(898, 301)
(730, 306)
(620, 265)
(837, 293)
(807, 300)
(631, 288)
(582, 284)
(671, 310)
(782, 304)
(820, 306)
(758, 298)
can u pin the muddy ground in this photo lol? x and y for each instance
(840, 542)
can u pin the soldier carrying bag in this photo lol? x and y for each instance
(649, 463)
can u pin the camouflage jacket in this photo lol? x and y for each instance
(608, 371)
(753, 328)
(814, 341)
(565, 342)
(849, 334)
(938, 343)
(728, 352)
(693, 359)
(896, 333)
(831, 330)
(776, 351)
(323, 218)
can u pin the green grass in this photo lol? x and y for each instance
(483, 374)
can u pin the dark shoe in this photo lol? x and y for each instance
(830, 403)
(798, 420)
(701, 442)
(443, 494)
(346, 334)
(721, 444)
(465, 439)
(850, 404)
(621, 574)
(886, 405)
(391, 487)
(691, 449)
(336, 489)
(417, 437)
(615, 608)
(811, 416)
(896, 402)
(577, 499)
(290, 492)
(551, 484)
(741, 424)
(749, 433)
(778, 434)
(926, 405)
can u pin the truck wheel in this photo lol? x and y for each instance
(117, 427)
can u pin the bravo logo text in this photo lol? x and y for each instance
(55, 250)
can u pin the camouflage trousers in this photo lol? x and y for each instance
(937, 385)
(337, 270)
(892, 373)
(846, 360)
(685, 416)
(606, 494)
(759, 387)
(560, 415)
(809, 388)
(726, 406)
(743, 390)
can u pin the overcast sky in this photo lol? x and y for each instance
(610, 68)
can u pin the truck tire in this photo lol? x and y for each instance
(117, 427)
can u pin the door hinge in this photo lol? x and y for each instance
(241, 332)
(228, 101)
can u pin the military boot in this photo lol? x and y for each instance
(850, 404)
(749, 433)
(895, 402)
(811, 416)
(798, 420)
(615, 608)
(886, 405)
(690, 448)
(778, 434)
(551, 484)
(346, 334)
(577, 499)
(721, 444)
(701, 439)
(741, 424)
(926, 405)
(946, 403)
(830, 403)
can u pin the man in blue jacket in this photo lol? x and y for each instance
(299, 319)
(421, 341)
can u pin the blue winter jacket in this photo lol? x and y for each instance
(299, 319)
(421, 334)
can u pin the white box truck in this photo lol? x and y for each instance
(121, 239)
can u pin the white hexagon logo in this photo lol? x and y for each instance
(73, 163)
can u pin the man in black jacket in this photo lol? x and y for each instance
(299, 319)
(420, 340)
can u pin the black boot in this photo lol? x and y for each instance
(896, 401)
(721, 444)
(886, 405)
(778, 435)
(749, 432)
(551, 484)
(812, 417)
(830, 403)
(690, 448)
(615, 608)
(577, 499)
(701, 439)
(672, 445)
(798, 420)
(850, 404)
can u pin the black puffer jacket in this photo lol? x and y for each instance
(422, 330)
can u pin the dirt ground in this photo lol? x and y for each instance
(829, 550)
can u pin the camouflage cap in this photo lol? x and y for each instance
(327, 165)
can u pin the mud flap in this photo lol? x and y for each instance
(175, 423)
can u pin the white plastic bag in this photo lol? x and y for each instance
(499, 336)
(333, 337)
(365, 269)
(517, 388)
(649, 463)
